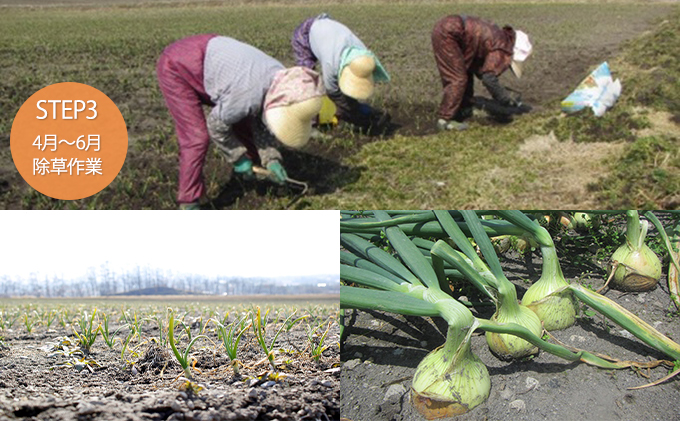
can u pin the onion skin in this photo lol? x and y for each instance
(556, 309)
(638, 270)
(549, 297)
(442, 388)
(432, 408)
(508, 347)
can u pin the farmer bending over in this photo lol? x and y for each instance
(256, 102)
(349, 69)
(465, 46)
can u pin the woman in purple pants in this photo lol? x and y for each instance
(257, 104)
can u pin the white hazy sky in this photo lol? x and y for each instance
(225, 243)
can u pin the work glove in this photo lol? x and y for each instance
(498, 109)
(523, 108)
(516, 104)
(244, 168)
(510, 102)
(279, 175)
(189, 206)
(372, 121)
(365, 109)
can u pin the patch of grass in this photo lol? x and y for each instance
(433, 171)
(655, 78)
(647, 176)
(618, 124)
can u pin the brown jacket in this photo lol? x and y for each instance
(466, 45)
(486, 47)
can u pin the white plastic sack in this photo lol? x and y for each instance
(597, 91)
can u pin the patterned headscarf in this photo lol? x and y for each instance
(293, 85)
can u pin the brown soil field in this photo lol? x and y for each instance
(34, 386)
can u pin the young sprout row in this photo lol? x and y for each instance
(130, 331)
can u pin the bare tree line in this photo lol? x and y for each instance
(105, 280)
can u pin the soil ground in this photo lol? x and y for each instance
(32, 389)
(382, 350)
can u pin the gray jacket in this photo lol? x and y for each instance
(328, 39)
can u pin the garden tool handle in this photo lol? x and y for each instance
(260, 170)
(263, 171)
(301, 184)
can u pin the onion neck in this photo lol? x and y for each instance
(507, 298)
(461, 325)
(551, 270)
(458, 340)
(455, 313)
(635, 230)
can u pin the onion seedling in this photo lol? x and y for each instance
(29, 323)
(11, 320)
(292, 323)
(317, 349)
(63, 318)
(3, 344)
(231, 336)
(3, 319)
(259, 327)
(133, 351)
(49, 317)
(182, 357)
(186, 328)
(134, 321)
(109, 338)
(87, 335)
(125, 346)
(162, 336)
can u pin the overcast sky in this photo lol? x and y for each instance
(224, 243)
